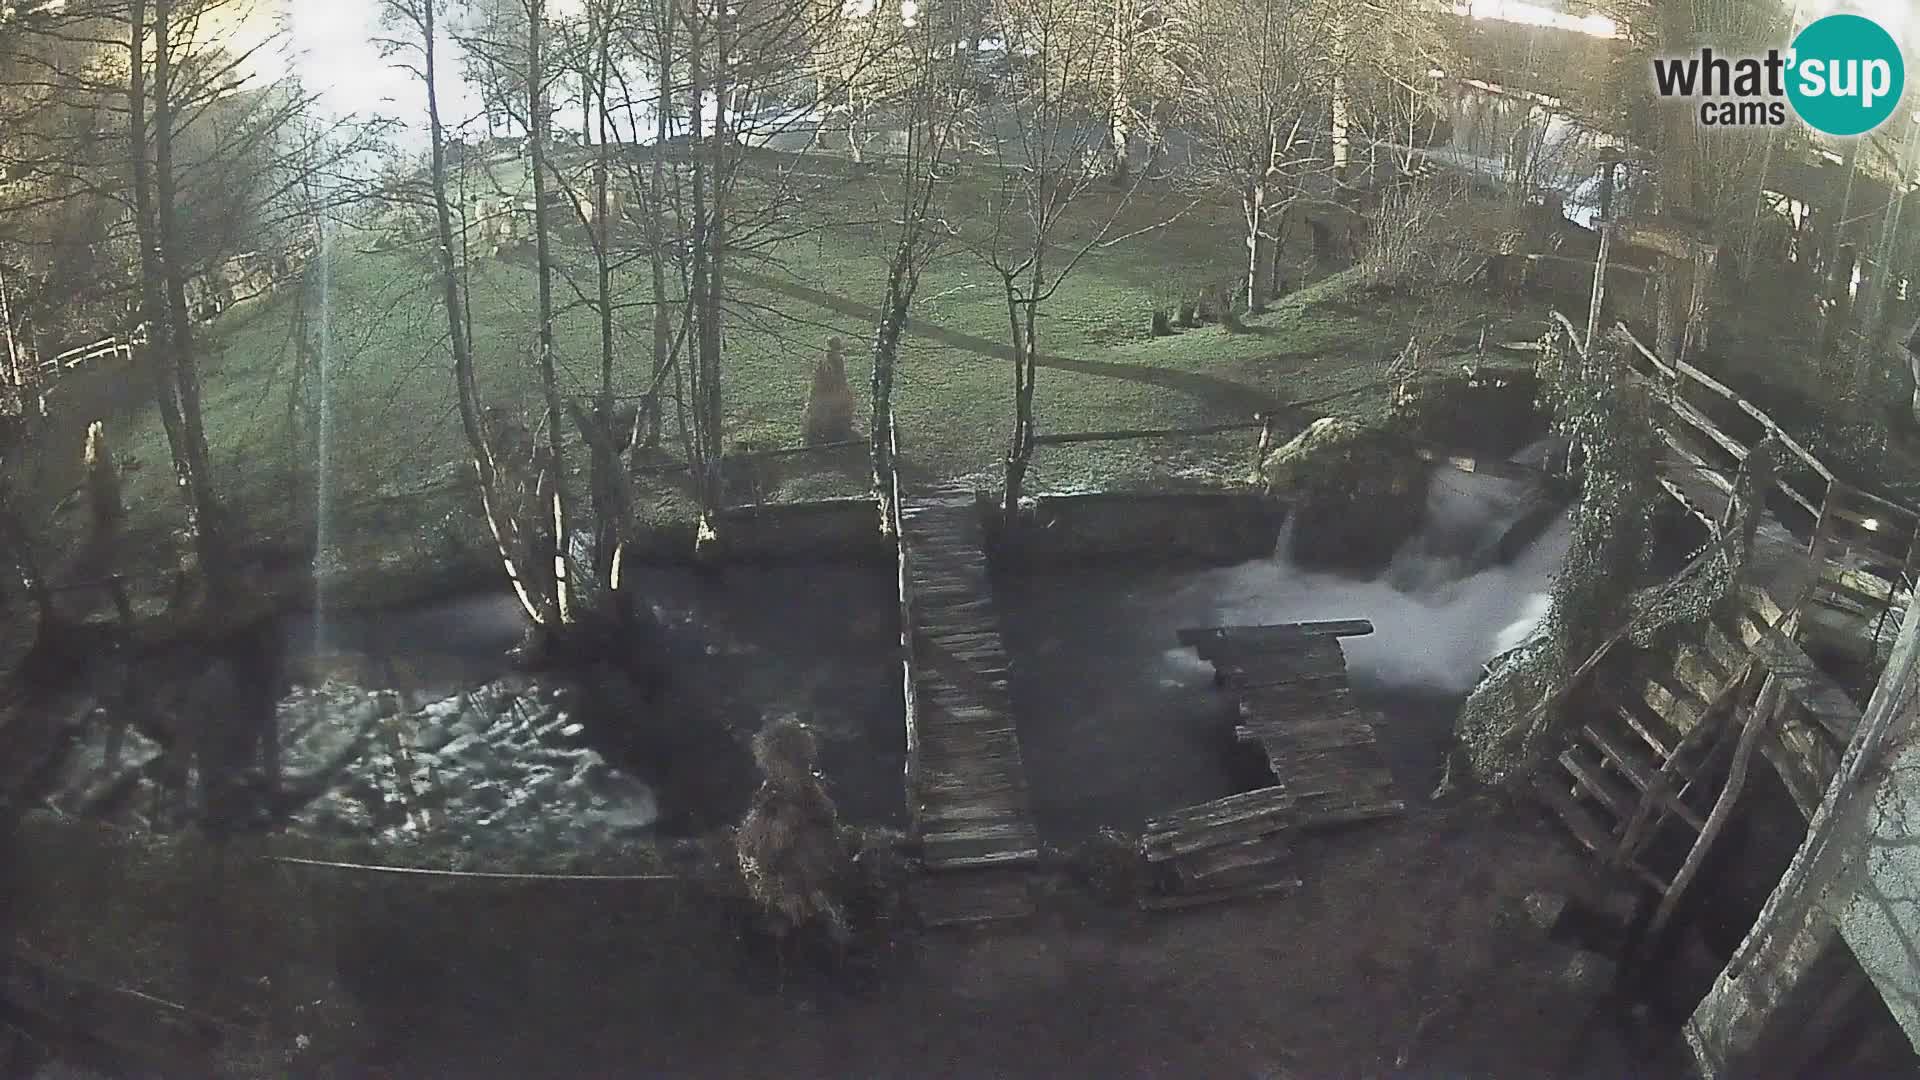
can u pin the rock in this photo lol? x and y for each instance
(1544, 908)
(446, 710)
(1355, 495)
(469, 750)
(1589, 973)
(430, 738)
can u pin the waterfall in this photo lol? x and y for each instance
(1445, 605)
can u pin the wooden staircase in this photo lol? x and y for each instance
(1641, 766)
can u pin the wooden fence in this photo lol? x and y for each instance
(1867, 547)
(910, 694)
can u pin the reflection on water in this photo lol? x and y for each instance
(409, 725)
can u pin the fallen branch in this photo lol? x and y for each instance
(485, 875)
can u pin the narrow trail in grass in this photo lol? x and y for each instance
(1224, 395)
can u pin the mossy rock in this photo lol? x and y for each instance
(1486, 410)
(1356, 495)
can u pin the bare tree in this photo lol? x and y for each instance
(1046, 150)
(1257, 79)
(538, 134)
(418, 52)
(936, 99)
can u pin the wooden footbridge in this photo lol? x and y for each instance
(966, 783)
(1657, 759)
(1289, 685)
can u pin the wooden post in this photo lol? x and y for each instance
(1759, 719)
(6, 322)
(1262, 448)
(1661, 795)
(1600, 264)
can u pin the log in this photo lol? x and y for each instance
(1065, 438)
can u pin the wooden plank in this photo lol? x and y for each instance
(1796, 775)
(1066, 438)
(1317, 813)
(1745, 406)
(1315, 656)
(1179, 901)
(1233, 859)
(1642, 775)
(1584, 828)
(1639, 727)
(1900, 511)
(1579, 820)
(1230, 808)
(1683, 715)
(1289, 739)
(1298, 704)
(1596, 783)
(1274, 634)
(966, 779)
(1809, 688)
(1683, 409)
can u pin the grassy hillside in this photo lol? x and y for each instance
(394, 452)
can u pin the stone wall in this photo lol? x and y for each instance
(1209, 527)
(829, 530)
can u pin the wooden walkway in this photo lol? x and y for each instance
(1289, 684)
(966, 784)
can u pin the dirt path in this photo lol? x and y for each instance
(1422, 919)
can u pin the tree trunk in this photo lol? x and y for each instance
(657, 232)
(1342, 141)
(586, 108)
(1119, 106)
(177, 357)
(714, 297)
(1259, 245)
(886, 352)
(153, 306)
(1022, 319)
(559, 498)
(706, 463)
(609, 482)
(465, 388)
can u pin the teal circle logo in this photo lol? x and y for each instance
(1845, 75)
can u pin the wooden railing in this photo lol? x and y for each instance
(910, 694)
(1692, 398)
(1261, 422)
(1867, 546)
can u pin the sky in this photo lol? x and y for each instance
(332, 48)
(334, 52)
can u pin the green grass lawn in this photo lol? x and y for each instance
(394, 449)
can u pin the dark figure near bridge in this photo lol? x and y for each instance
(789, 848)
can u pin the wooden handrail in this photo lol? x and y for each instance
(1064, 438)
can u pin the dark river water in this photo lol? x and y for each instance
(411, 725)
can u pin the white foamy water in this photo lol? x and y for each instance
(1440, 611)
